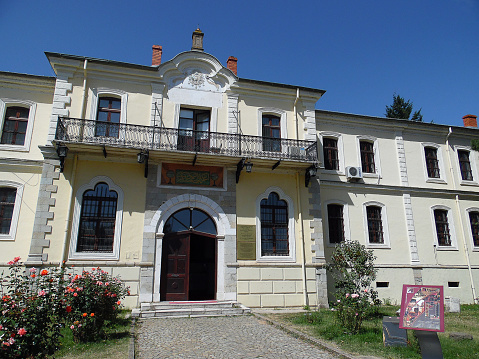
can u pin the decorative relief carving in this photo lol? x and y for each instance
(196, 79)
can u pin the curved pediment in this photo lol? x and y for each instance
(196, 70)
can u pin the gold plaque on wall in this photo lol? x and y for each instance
(246, 242)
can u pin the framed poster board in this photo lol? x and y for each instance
(422, 308)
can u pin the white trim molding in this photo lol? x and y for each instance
(273, 111)
(469, 229)
(32, 106)
(115, 254)
(377, 162)
(16, 209)
(452, 229)
(472, 162)
(339, 138)
(346, 227)
(440, 160)
(291, 231)
(384, 222)
(107, 92)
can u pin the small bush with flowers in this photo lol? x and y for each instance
(92, 298)
(36, 303)
(352, 267)
(32, 311)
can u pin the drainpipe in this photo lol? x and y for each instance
(300, 216)
(461, 224)
(83, 99)
(296, 113)
(68, 221)
(303, 253)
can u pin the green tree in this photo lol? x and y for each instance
(402, 109)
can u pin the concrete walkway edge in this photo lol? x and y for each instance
(305, 337)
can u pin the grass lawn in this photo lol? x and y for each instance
(369, 341)
(114, 346)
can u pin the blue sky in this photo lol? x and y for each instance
(360, 52)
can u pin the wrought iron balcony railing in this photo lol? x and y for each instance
(73, 130)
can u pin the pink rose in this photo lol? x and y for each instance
(21, 332)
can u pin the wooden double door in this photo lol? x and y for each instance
(188, 270)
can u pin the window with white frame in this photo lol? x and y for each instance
(376, 225)
(272, 127)
(433, 163)
(368, 152)
(275, 226)
(10, 202)
(108, 108)
(474, 223)
(467, 165)
(17, 118)
(332, 154)
(444, 233)
(97, 220)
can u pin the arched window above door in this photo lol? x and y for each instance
(190, 219)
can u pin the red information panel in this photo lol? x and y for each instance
(422, 308)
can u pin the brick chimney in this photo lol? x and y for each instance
(232, 64)
(470, 121)
(156, 58)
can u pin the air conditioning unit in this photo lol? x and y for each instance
(354, 172)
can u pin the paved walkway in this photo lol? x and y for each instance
(220, 337)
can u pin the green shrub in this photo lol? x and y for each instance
(92, 297)
(32, 311)
(352, 267)
(36, 304)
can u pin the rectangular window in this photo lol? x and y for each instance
(15, 126)
(442, 227)
(335, 223)
(465, 165)
(108, 117)
(193, 130)
(375, 225)
(367, 156)
(432, 163)
(474, 219)
(330, 150)
(271, 133)
(7, 204)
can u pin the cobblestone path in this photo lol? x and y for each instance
(219, 337)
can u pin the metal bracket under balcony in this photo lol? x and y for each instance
(80, 131)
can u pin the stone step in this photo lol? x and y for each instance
(190, 309)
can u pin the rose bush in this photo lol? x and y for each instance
(35, 304)
(93, 297)
(352, 267)
(31, 311)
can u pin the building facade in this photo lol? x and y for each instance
(192, 183)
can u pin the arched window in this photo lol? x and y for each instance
(190, 219)
(97, 220)
(274, 226)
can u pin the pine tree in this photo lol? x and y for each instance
(402, 109)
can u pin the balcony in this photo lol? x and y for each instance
(80, 131)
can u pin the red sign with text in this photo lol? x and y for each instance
(422, 308)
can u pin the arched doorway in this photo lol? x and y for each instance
(189, 252)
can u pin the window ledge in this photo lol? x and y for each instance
(93, 256)
(475, 249)
(333, 172)
(436, 180)
(371, 175)
(446, 248)
(378, 246)
(275, 259)
(13, 148)
(468, 183)
(6, 237)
